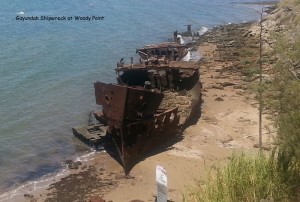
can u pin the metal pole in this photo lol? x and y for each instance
(260, 81)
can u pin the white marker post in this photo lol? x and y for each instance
(162, 184)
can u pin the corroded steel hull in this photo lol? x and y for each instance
(134, 140)
(135, 123)
(124, 104)
(137, 114)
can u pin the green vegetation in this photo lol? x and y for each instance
(245, 178)
(274, 176)
(251, 71)
(286, 86)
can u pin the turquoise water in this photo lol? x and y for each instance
(47, 68)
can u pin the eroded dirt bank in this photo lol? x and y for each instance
(228, 122)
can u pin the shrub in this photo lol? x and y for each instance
(245, 178)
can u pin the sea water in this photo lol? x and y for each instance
(49, 60)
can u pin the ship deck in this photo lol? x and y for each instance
(92, 135)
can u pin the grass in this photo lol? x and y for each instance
(250, 71)
(245, 178)
(246, 62)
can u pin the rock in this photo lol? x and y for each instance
(225, 84)
(245, 87)
(119, 176)
(254, 46)
(231, 43)
(264, 146)
(219, 99)
(241, 119)
(225, 76)
(226, 140)
(218, 86)
(288, 9)
(247, 34)
(208, 86)
(68, 161)
(78, 163)
(182, 93)
(96, 199)
(238, 87)
(249, 137)
(74, 165)
(27, 196)
(240, 92)
(30, 197)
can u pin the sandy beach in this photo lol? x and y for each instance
(228, 123)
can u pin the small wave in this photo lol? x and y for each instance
(87, 157)
(202, 30)
(20, 13)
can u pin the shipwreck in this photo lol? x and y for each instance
(151, 102)
(164, 52)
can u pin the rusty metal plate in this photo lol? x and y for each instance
(126, 104)
(133, 140)
(112, 98)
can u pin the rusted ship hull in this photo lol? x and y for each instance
(141, 112)
(124, 104)
(135, 122)
(168, 51)
(134, 140)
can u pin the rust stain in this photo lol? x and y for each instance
(124, 104)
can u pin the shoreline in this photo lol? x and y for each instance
(180, 153)
(46, 180)
(264, 3)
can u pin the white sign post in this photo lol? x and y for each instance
(162, 184)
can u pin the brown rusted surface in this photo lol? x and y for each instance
(92, 135)
(183, 65)
(169, 51)
(175, 76)
(123, 104)
(101, 117)
(163, 45)
(135, 113)
(135, 139)
(135, 123)
(134, 116)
